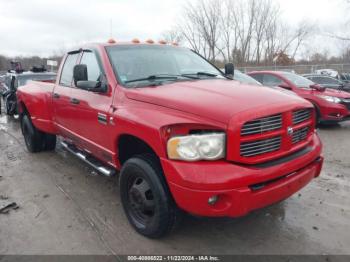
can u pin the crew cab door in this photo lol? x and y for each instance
(91, 110)
(61, 96)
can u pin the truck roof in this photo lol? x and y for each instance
(133, 42)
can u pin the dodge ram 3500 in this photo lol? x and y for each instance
(184, 135)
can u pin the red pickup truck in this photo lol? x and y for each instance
(184, 135)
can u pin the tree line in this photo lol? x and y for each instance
(246, 32)
(26, 62)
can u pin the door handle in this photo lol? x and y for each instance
(55, 95)
(74, 101)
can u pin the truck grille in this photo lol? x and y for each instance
(262, 125)
(300, 135)
(261, 146)
(285, 131)
(300, 116)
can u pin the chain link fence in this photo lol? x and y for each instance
(299, 69)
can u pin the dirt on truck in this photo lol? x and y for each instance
(184, 135)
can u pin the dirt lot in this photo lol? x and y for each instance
(66, 208)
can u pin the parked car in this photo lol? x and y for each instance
(15, 79)
(331, 105)
(244, 78)
(184, 135)
(343, 77)
(328, 82)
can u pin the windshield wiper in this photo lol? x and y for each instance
(152, 78)
(201, 74)
(162, 77)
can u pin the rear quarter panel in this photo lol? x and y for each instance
(36, 98)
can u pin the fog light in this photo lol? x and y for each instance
(213, 199)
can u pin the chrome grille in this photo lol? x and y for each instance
(300, 134)
(262, 125)
(301, 116)
(258, 147)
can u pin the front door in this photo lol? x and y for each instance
(92, 110)
(61, 97)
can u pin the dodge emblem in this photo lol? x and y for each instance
(290, 130)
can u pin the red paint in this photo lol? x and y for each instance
(327, 110)
(155, 114)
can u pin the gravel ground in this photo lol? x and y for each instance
(66, 208)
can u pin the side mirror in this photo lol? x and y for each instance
(285, 86)
(94, 86)
(229, 70)
(80, 73)
(80, 76)
(318, 87)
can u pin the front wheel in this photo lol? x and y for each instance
(146, 199)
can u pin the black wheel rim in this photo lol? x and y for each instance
(141, 204)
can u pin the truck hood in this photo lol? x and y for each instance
(216, 99)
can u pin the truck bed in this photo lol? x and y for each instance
(38, 97)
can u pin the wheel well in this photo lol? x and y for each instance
(23, 109)
(129, 146)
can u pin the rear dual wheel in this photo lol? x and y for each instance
(35, 139)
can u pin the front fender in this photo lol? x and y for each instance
(147, 124)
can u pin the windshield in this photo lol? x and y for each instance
(147, 64)
(298, 80)
(24, 79)
(243, 78)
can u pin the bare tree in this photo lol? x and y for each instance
(201, 23)
(173, 35)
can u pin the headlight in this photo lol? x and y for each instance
(331, 99)
(197, 147)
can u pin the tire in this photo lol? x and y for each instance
(33, 137)
(49, 142)
(318, 122)
(10, 105)
(146, 198)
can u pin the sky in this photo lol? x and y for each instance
(43, 27)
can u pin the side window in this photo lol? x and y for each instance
(319, 80)
(270, 80)
(67, 71)
(93, 68)
(258, 78)
(331, 81)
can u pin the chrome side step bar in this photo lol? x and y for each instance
(90, 160)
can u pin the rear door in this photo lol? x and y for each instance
(61, 97)
(91, 111)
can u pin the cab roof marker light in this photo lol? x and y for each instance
(135, 41)
(111, 41)
(162, 42)
(149, 41)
